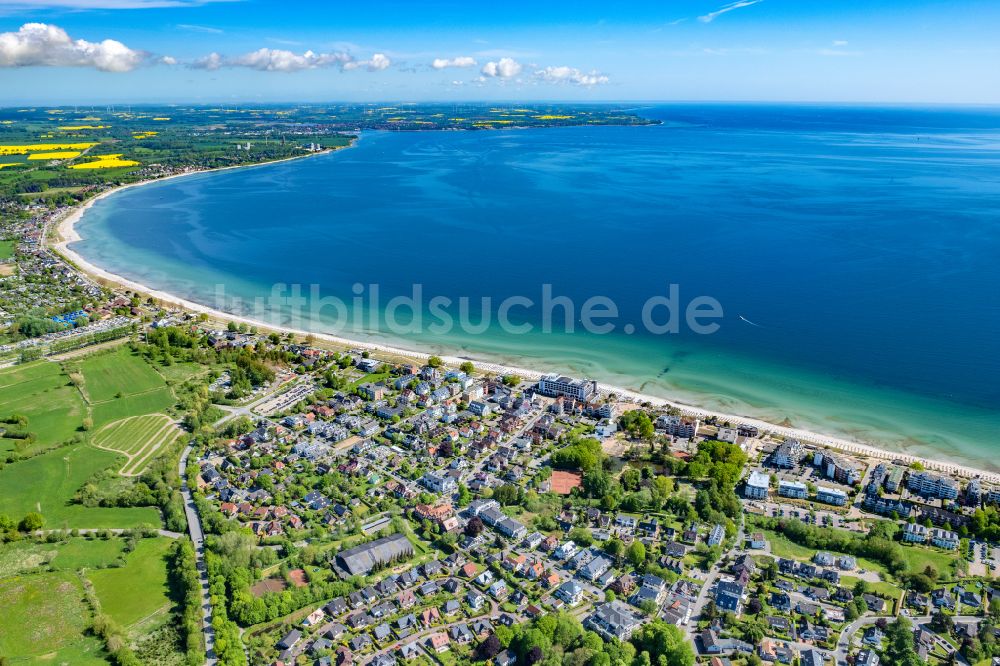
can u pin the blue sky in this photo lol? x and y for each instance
(898, 51)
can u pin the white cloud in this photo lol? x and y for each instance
(840, 42)
(39, 44)
(283, 60)
(196, 28)
(276, 60)
(377, 63)
(505, 68)
(460, 61)
(211, 62)
(168, 60)
(739, 4)
(570, 75)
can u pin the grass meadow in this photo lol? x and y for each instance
(45, 617)
(47, 483)
(145, 569)
(42, 392)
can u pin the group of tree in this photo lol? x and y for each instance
(11, 530)
(560, 640)
(580, 454)
(185, 588)
(876, 545)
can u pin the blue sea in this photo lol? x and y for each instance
(852, 251)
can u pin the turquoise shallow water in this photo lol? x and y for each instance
(852, 250)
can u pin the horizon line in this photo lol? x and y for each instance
(487, 102)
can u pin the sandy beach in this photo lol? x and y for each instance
(65, 234)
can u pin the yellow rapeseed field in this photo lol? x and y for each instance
(161, 118)
(551, 117)
(105, 162)
(75, 128)
(43, 147)
(56, 155)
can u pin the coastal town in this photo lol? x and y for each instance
(323, 502)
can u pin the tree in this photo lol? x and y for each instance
(474, 527)
(489, 648)
(666, 641)
(596, 483)
(754, 632)
(435, 362)
(467, 367)
(615, 548)
(901, 650)
(508, 494)
(636, 553)
(31, 522)
(581, 536)
(942, 623)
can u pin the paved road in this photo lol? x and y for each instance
(198, 539)
(112, 530)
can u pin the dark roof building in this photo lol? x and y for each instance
(360, 560)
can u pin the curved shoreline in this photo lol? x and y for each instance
(66, 234)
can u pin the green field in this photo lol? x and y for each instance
(41, 391)
(7, 249)
(119, 372)
(146, 570)
(919, 557)
(74, 553)
(44, 618)
(139, 438)
(47, 483)
(157, 400)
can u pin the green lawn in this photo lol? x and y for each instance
(132, 593)
(46, 614)
(120, 371)
(47, 483)
(881, 588)
(7, 249)
(918, 557)
(781, 546)
(40, 391)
